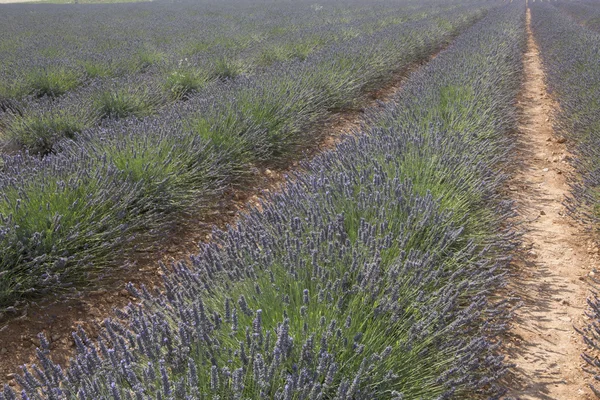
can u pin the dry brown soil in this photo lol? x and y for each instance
(556, 255)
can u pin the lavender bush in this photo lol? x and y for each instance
(370, 276)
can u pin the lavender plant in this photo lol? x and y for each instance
(367, 277)
(38, 130)
(67, 223)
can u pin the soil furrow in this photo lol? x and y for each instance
(556, 257)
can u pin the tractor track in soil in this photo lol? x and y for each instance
(556, 255)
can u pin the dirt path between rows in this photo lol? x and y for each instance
(556, 257)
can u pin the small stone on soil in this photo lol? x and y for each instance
(533, 254)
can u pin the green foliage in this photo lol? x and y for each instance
(12, 90)
(182, 82)
(226, 68)
(171, 179)
(127, 102)
(52, 82)
(194, 47)
(96, 69)
(60, 214)
(145, 58)
(272, 54)
(303, 48)
(39, 132)
(229, 135)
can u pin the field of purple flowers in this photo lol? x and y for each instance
(130, 68)
(78, 191)
(373, 274)
(583, 12)
(381, 268)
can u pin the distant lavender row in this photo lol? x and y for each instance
(586, 13)
(41, 55)
(69, 218)
(110, 40)
(258, 46)
(571, 57)
(37, 124)
(371, 276)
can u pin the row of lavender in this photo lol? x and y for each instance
(571, 55)
(370, 276)
(37, 124)
(43, 55)
(584, 12)
(70, 217)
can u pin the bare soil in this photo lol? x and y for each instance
(57, 319)
(556, 255)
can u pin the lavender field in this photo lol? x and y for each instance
(94, 163)
(383, 264)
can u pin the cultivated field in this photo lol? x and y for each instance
(262, 199)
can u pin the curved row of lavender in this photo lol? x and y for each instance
(35, 123)
(371, 276)
(68, 219)
(570, 55)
